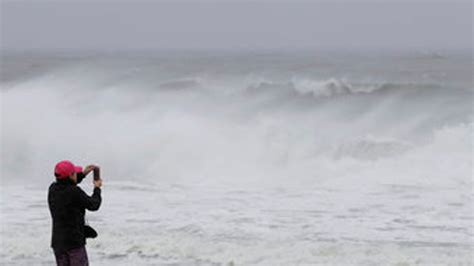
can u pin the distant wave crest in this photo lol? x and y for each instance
(331, 87)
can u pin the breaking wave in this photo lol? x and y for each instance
(179, 121)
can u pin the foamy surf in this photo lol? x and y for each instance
(238, 160)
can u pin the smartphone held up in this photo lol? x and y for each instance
(96, 173)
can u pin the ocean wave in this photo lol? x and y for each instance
(180, 84)
(371, 148)
(253, 124)
(332, 87)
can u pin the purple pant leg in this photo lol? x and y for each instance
(62, 259)
(78, 257)
(72, 257)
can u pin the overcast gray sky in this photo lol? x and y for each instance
(111, 25)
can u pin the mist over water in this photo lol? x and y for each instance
(365, 126)
(230, 117)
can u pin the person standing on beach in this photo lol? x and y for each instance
(67, 204)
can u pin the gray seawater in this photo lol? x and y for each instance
(245, 158)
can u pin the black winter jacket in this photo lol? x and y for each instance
(67, 204)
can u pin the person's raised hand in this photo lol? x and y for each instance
(88, 169)
(97, 183)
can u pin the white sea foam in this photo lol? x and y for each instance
(248, 163)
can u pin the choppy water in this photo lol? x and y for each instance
(269, 159)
